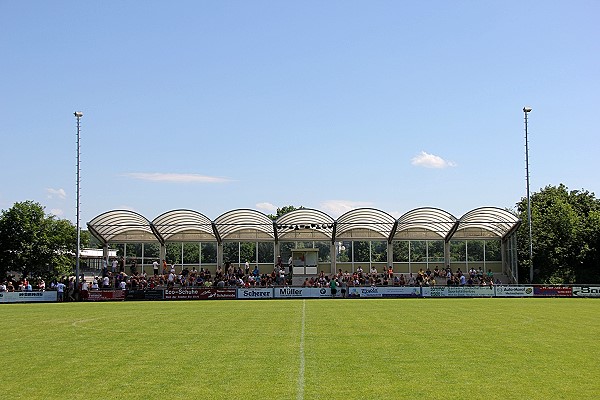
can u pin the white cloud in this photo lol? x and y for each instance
(427, 160)
(396, 214)
(177, 178)
(266, 207)
(57, 211)
(52, 193)
(335, 208)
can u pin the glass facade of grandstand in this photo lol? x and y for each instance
(421, 238)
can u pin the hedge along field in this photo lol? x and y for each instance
(303, 349)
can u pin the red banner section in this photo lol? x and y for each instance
(553, 291)
(106, 295)
(199, 294)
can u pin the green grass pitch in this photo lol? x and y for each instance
(303, 349)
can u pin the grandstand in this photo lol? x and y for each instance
(421, 238)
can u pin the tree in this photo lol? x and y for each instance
(283, 210)
(33, 243)
(566, 236)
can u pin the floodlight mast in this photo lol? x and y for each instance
(526, 111)
(78, 115)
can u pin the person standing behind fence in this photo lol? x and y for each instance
(84, 290)
(333, 287)
(155, 267)
(60, 290)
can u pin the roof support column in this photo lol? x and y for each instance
(390, 254)
(446, 254)
(220, 254)
(162, 253)
(105, 252)
(332, 257)
(276, 252)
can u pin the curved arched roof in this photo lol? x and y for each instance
(364, 223)
(244, 224)
(486, 222)
(121, 226)
(425, 223)
(304, 223)
(183, 225)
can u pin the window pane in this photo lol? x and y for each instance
(418, 251)
(266, 253)
(209, 253)
(493, 250)
(475, 250)
(230, 252)
(324, 251)
(343, 251)
(457, 250)
(379, 251)
(151, 250)
(361, 251)
(436, 251)
(400, 249)
(285, 249)
(173, 251)
(191, 253)
(305, 245)
(248, 252)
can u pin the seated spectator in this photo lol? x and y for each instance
(373, 271)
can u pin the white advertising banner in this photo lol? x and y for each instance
(586, 291)
(459, 291)
(514, 291)
(300, 292)
(27, 297)
(385, 291)
(255, 293)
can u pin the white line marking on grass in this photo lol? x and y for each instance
(300, 395)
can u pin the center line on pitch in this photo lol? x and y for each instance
(300, 395)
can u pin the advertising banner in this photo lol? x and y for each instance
(586, 291)
(225, 294)
(106, 295)
(154, 294)
(189, 293)
(255, 293)
(385, 291)
(27, 297)
(201, 293)
(300, 292)
(552, 291)
(459, 291)
(514, 291)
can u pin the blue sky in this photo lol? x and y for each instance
(218, 105)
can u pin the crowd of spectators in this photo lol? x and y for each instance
(231, 275)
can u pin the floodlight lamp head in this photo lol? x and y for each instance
(78, 114)
(526, 109)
